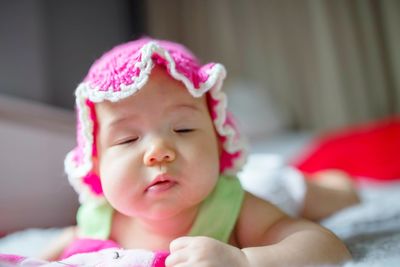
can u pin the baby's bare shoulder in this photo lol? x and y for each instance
(256, 217)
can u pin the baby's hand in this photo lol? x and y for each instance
(204, 251)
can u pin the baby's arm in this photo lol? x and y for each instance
(54, 250)
(267, 237)
(271, 238)
(327, 192)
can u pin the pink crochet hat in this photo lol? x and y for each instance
(121, 72)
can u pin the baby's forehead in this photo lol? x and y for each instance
(161, 93)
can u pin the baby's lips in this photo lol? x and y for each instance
(161, 187)
(161, 183)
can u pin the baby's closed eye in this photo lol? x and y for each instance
(184, 130)
(127, 140)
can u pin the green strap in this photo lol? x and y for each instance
(217, 215)
(219, 212)
(94, 220)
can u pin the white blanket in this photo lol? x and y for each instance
(371, 229)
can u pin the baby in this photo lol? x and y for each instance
(155, 169)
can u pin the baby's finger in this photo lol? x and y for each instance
(174, 259)
(179, 243)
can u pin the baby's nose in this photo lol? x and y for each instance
(158, 154)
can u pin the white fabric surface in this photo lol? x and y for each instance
(268, 177)
(29, 242)
(371, 230)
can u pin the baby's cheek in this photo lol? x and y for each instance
(112, 182)
(121, 189)
(209, 157)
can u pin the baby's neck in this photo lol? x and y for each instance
(177, 225)
(133, 232)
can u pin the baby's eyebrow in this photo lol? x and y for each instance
(115, 122)
(184, 106)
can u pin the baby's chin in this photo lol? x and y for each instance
(161, 213)
(157, 212)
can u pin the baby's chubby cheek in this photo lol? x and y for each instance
(117, 175)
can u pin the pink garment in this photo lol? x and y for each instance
(10, 259)
(84, 245)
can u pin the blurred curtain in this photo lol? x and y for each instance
(46, 47)
(325, 63)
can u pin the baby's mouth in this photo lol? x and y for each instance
(160, 184)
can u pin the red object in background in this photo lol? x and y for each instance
(368, 151)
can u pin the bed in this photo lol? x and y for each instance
(34, 139)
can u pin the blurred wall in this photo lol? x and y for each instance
(46, 47)
(324, 64)
(22, 51)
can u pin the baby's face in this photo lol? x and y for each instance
(157, 150)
